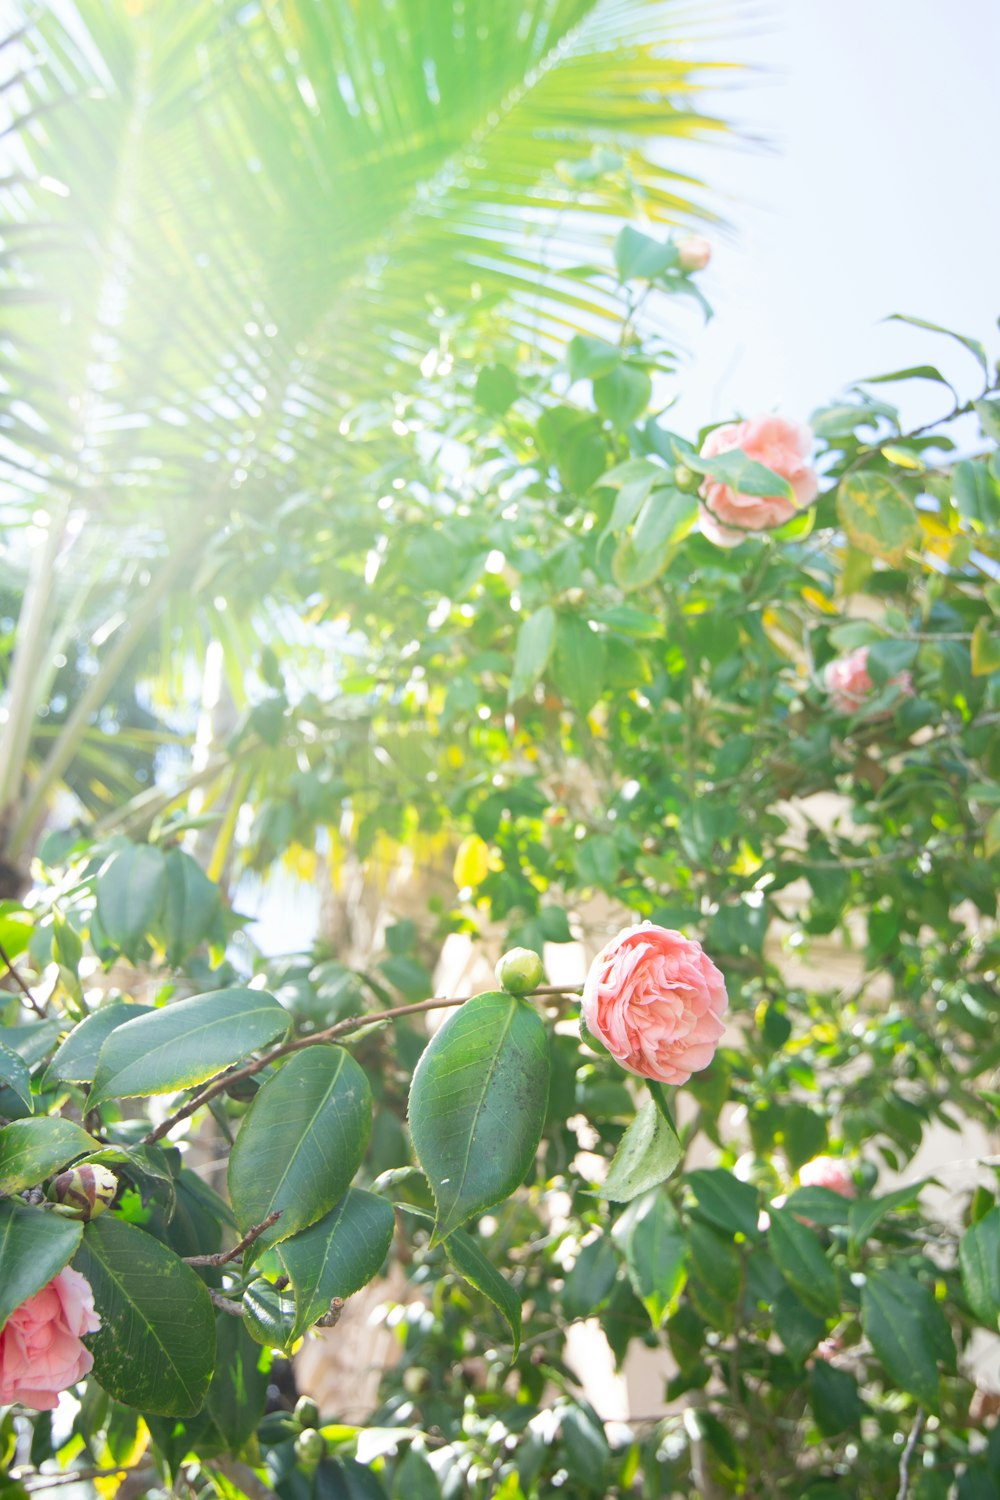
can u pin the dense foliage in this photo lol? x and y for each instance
(547, 679)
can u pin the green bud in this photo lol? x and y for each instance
(520, 971)
(686, 479)
(83, 1192)
(306, 1412)
(310, 1447)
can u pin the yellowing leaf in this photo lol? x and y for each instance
(472, 862)
(300, 862)
(819, 601)
(985, 650)
(878, 516)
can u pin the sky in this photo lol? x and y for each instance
(875, 193)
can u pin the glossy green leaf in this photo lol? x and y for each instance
(535, 640)
(623, 394)
(974, 347)
(587, 357)
(338, 1254)
(725, 1200)
(76, 1058)
(301, 1143)
(741, 473)
(656, 1252)
(878, 516)
(35, 1244)
(190, 905)
(908, 1332)
(477, 1105)
(32, 1150)
(469, 1261)
(155, 1350)
(183, 1044)
(269, 1315)
(14, 1073)
(237, 1396)
(647, 1154)
(589, 1283)
(639, 256)
(977, 495)
(979, 1259)
(799, 1257)
(130, 891)
(578, 670)
(864, 1215)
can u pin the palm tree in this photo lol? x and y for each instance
(227, 223)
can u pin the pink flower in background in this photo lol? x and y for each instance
(779, 445)
(830, 1172)
(656, 1001)
(40, 1349)
(694, 252)
(848, 682)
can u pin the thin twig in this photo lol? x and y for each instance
(905, 1458)
(225, 1304)
(341, 1028)
(37, 1482)
(222, 1256)
(8, 964)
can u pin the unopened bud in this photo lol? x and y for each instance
(310, 1447)
(306, 1412)
(520, 971)
(84, 1192)
(686, 479)
(694, 253)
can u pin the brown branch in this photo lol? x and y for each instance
(222, 1256)
(225, 1304)
(906, 1457)
(9, 966)
(341, 1028)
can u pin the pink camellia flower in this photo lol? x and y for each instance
(848, 682)
(830, 1172)
(40, 1349)
(656, 1001)
(694, 252)
(726, 514)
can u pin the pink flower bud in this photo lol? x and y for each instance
(84, 1192)
(694, 253)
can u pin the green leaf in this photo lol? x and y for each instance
(301, 1143)
(32, 1150)
(985, 649)
(535, 640)
(908, 1332)
(155, 1349)
(865, 1214)
(725, 1200)
(623, 394)
(589, 1283)
(833, 1395)
(477, 1105)
(470, 1262)
(496, 389)
(337, 1255)
(34, 1247)
(741, 473)
(988, 413)
(414, 1478)
(14, 1073)
(798, 1329)
(665, 518)
(878, 516)
(977, 496)
(237, 1396)
(31, 1041)
(587, 357)
(819, 1205)
(639, 256)
(799, 1257)
(579, 662)
(130, 890)
(647, 1154)
(979, 1258)
(75, 1060)
(190, 907)
(269, 1315)
(182, 1044)
(974, 347)
(656, 1256)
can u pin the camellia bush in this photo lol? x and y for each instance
(711, 703)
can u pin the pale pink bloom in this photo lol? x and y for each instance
(694, 252)
(828, 1349)
(830, 1172)
(656, 1001)
(40, 1349)
(848, 682)
(726, 514)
